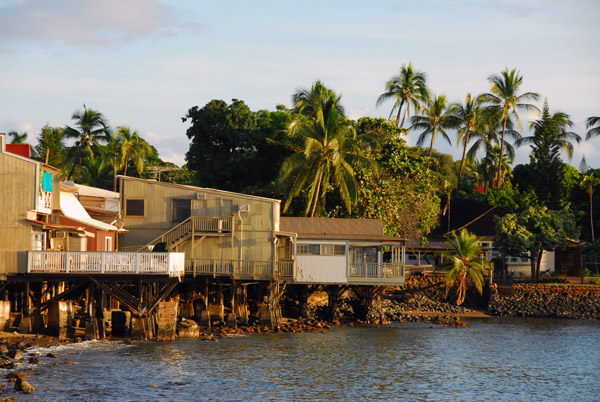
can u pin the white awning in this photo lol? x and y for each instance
(72, 209)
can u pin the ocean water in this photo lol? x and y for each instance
(497, 359)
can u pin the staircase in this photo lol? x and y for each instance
(204, 225)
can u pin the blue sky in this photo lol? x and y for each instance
(144, 63)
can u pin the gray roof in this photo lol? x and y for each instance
(335, 229)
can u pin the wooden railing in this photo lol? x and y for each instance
(376, 271)
(101, 262)
(194, 224)
(237, 268)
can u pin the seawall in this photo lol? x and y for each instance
(550, 301)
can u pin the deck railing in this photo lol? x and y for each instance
(195, 224)
(106, 262)
(376, 271)
(237, 268)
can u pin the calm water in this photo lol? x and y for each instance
(493, 360)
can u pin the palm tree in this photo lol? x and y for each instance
(17, 138)
(330, 151)
(550, 135)
(505, 96)
(593, 123)
(50, 147)
(464, 263)
(435, 118)
(132, 147)
(91, 128)
(408, 87)
(588, 183)
(468, 116)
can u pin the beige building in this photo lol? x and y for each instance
(29, 209)
(221, 233)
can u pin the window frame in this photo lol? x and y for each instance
(128, 215)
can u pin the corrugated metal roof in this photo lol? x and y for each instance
(335, 229)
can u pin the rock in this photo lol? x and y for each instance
(52, 355)
(16, 354)
(34, 360)
(24, 386)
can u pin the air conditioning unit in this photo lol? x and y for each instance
(200, 196)
(242, 208)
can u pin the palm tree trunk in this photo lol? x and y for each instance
(399, 112)
(501, 154)
(591, 217)
(430, 149)
(316, 196)
(462, 162)
(115, 173)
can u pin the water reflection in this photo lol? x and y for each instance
(495, 359)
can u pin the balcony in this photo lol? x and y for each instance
(100, 262)
(263, 270)
(374, 273)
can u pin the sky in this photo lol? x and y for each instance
(145, 63)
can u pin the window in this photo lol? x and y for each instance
(182, 209)
(309, 249)
(134, 207)
(108, 243)
(321, 249)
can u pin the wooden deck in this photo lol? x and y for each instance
(256, 270)
(99, 262)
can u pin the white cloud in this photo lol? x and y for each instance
(83, 23)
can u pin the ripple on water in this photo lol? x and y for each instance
(495, 359)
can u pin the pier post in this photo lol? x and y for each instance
(205, 314)
(231, 319)
(166, 317)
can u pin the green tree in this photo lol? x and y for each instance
(468, 116)
(435, 118)
(330, 152)
(532, 232)
(50, 147)
(133, 147)
(403, 194)
(91, 128)
(505, 97)
(550, 136)
(225, 146)
(593, 123)
(408, 87)
(588, 183)
(464, 263)
(17, 138)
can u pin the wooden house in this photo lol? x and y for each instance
(29, 208)
(221, 233)
(345, 251)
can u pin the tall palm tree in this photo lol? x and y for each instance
(468, 116)
(593, 123)
(550, 135)
(408, 87)
(133, 148)
(434, 118)
(17, 138)
(464, 263)
(588, 183)
(505, 96)
(331, 150)
(91, 128)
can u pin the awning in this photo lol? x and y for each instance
(56, 226)
(72, 209)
